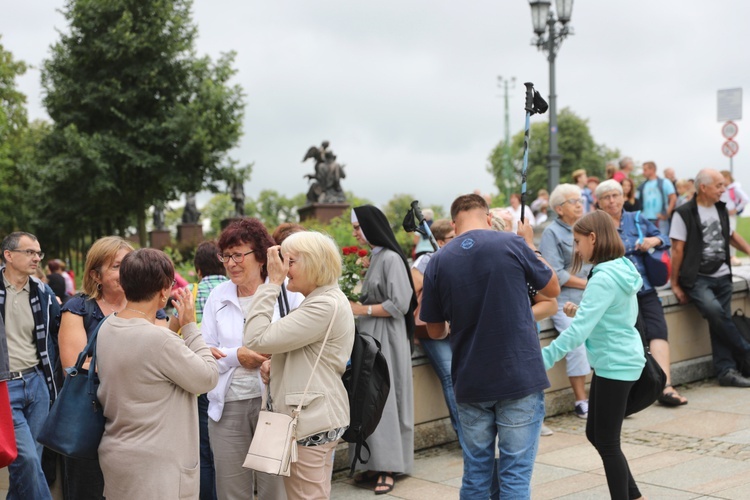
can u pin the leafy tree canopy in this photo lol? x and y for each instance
(575, 144)
(138, 117)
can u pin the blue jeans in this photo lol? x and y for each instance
(440, 355)
(29, 401)
(713, 298)
(208, 473)
(516, 423)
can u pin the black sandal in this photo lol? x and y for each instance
(383, 483)
(670, 398)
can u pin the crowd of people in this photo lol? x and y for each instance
(266, 327)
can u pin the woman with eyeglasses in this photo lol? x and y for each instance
(639, 235)
(234, 404)
(557, 248)
(149, 378)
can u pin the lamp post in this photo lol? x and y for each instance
(550, 32)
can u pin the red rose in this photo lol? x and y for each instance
(346, 250)
(362, 252)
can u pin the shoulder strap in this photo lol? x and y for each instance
(325, 339)
(638, 226)
(283, 302)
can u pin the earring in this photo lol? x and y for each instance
(163, 299)
(99, 286)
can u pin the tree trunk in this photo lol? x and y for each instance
(142, 236)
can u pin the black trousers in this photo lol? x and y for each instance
(607, 399)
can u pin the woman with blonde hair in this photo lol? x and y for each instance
(321, 327)
(604, 322)
(102, 295)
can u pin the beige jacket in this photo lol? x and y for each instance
(294, 342)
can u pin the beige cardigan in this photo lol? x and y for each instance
(294, 342)
(149, 381)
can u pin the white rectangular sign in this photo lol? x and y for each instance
(729, 104)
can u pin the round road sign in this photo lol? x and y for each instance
(730, 148)
(729, 130)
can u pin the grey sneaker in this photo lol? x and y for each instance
(733, 378)
(582, 409)
(546, 431)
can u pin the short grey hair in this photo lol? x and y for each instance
(11, 241)
(704, 178)
(561, 192)
(608, 186)
(625, 161)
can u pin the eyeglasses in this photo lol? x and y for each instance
(572, 201)
(237, 257)
(30, 253)
(612, 196)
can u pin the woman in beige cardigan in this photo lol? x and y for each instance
(149, 379)
(313, 264)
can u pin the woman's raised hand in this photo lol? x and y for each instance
(277, 268)
(185, 306)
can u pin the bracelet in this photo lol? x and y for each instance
(369, 310)
(538, 253)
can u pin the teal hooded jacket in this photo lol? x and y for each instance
(605, 322)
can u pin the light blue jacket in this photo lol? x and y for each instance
(605, 320)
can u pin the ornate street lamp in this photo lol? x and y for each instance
(550, 32)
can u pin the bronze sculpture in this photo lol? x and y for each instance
(326, 185)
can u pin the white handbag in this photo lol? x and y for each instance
(274, 445)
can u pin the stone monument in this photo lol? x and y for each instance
(159, 236)
(190, 231)
(325, 198)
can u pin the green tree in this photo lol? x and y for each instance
(16, 147)
(272, 208)
(138, 117)
(218, 208)
(576, 146)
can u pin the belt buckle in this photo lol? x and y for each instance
(16, 376)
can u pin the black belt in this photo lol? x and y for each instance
(18, 375)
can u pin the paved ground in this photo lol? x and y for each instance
(697, 451)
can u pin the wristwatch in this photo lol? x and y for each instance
(369, 310)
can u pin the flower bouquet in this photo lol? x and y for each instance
(353, 269)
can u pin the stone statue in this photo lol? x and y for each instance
(159, 217)
(190, 215)
(326, 185)
(237, 191)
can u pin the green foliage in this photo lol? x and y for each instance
(273, 208)
(575, 144)
(339, 228)
(218, 208)
(16, 148)
(138, 117)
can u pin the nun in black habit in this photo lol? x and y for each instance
(386, 312)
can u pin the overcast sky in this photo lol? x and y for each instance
(406, 90)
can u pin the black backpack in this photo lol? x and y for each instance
(367, 383)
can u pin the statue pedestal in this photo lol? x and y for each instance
(189, 234)
(159, 239)
(323, 212)
(225, 222)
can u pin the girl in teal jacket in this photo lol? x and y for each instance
(604, 321)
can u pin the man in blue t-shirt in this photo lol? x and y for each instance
(658, 198)
(479, 283)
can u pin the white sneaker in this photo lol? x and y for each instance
(582, 409)
(546, 431)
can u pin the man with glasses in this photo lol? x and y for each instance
(31, 316)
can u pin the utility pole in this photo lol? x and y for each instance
(507, 170)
